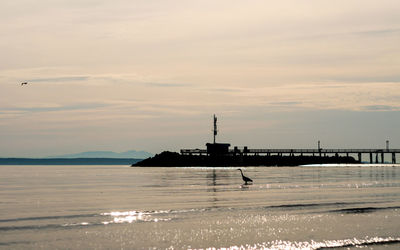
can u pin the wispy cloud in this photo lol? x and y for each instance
(285, 103)
(378, 32)
(325, 34)
(158, 84)
(380, 108)
(367, 79)
(55, 108)
(60, 79)
(226, 90)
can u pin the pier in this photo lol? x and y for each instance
(222, 149)
(374, 155)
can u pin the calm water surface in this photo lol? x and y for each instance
(119, 207)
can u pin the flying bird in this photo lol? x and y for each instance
(245, 179)
(24, 83)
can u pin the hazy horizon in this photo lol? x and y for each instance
(149, 75)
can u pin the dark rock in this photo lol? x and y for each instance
(173, 159)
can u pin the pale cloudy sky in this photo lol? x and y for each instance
(148, 75)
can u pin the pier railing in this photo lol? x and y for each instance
(318, 152)
(331, 151)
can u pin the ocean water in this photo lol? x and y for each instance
(119, 207)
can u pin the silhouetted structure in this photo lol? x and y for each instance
(219, 154)
(217, 149)
(379, 153)
(174, 159)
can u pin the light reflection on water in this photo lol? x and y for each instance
(133, 216)
(281, 244)
(110, 207)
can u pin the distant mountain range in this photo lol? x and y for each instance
(107, 154)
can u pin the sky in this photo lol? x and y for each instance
(149, 75)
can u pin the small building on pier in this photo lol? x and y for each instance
(218, 148)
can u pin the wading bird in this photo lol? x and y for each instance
(245, 179)
(24, 83)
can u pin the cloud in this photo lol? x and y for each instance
(325, 34)
(157, 84)
(55, 108)
(226, 90)
(380, 108)
(285, 103)
(378, 32)
(61, 79)
(367, 79)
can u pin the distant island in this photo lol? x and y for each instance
(68, 161)
(84, 158)
(107, 154)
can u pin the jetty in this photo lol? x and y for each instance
(213, 149)
(221, 154)
(375, 155)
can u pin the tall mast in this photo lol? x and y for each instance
(215, 127)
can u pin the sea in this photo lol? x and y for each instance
(123, 207)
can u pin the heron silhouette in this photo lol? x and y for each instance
(245, 178)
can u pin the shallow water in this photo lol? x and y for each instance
(118, 207)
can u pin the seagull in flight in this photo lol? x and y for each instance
(24, 83)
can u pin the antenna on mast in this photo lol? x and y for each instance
(215, 127)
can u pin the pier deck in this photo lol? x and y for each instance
(318, 152)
